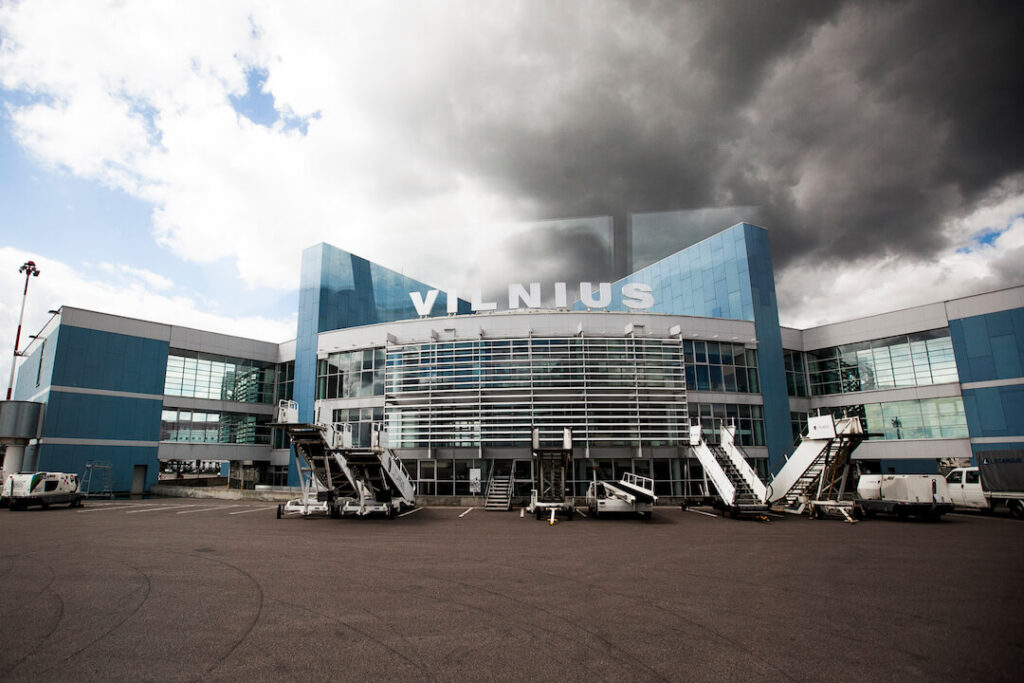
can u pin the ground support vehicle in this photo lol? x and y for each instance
(41, 488)
(919, 495)
(337, 478)
(633, 494)
(549, 497)
(999, 481)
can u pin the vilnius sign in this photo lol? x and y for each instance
(634, 295)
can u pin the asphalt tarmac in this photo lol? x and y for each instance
(191, 590)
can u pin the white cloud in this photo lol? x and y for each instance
(147, 277)
(117, 289)
(811, 295)
(136, 96)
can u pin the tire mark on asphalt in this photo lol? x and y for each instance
(10, 566)
(256, 617)
(43, 638)
(419, 667)
(740, 647)
(26, 600)
(147, 588)
(561, 635)
(612, 647)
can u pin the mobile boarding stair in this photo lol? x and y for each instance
(814, 478)
(740, 490)
(337, 478)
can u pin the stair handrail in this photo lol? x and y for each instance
(739, 461)
(508, 490)
(712, 469)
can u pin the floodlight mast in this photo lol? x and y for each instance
(30, 270)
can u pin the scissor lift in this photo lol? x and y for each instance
(551, 465)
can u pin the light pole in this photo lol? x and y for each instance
(30, 270)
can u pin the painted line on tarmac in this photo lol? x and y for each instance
(465, 513)
(218, 507)
(245, 512)
(410, 512)
(701, 512)
(107, 507)
(159, 509)
(969, 516)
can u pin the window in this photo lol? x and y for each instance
(202, 375)
(910, 360)
(972, 477)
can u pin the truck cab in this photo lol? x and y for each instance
(965, 489)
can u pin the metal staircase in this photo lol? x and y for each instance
(499, 493)
(744, 496)
(815, 475)
(728, 471)
(336, 477)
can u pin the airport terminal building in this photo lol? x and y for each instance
(456, 382)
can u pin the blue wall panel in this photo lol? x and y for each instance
(989, 346)
(29, 369)
(73, 458)
(88, 416)
(95, 359)
(995, 411)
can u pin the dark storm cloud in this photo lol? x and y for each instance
(856, 128)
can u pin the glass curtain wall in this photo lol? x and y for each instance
(912, 360)
(931, 418)
(720, 366)
(204, 427)
(202, 375)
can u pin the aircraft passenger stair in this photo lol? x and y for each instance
(499, 493)
(815, 474)
(338, 478)
(739, 489)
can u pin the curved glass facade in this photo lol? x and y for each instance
(492, 392)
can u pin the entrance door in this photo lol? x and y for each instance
(139, 479)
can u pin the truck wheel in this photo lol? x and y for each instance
(1016, 508)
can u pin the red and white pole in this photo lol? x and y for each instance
(30, 270)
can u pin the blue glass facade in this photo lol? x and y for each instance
(990, 348)
(337, 290)
(728, 275)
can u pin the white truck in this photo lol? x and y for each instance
(919, 495)
(988, 487)
(41, 488)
